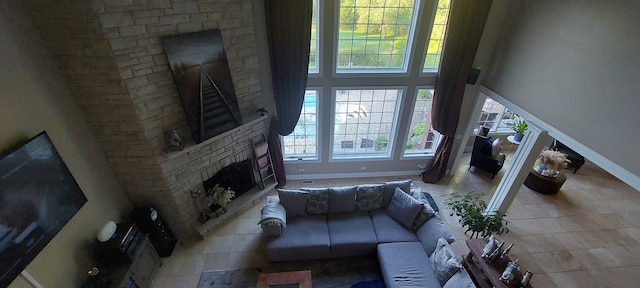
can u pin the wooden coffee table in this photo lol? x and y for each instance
(483, 274)
(302, 278)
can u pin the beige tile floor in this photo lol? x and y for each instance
(588, 235)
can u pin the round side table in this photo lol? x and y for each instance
(544, 184)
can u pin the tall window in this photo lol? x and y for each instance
(495, 116)
(374, 35)
(421, 139)
(369, 48)
(364, 121)
(313, 52)
(436, 41)
(303, 142)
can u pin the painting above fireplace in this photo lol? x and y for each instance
(203, 79)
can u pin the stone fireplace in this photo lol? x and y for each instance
(113, 63)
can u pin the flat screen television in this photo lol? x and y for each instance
(38, 196)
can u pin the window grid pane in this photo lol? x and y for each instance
(364, 122)
(373, 34)
(495, 116)
(313, 51)
(421, 138)
(436, 41)
(303, 142)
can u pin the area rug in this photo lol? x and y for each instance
(324, 273)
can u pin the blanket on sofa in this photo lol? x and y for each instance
(273, 213)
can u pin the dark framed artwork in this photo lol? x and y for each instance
(203, 79)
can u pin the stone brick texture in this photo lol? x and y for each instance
(111, 57)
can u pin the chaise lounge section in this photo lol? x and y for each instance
(388, 220)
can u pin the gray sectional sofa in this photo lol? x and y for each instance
(388, 219)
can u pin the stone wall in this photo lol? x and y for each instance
(111, 57)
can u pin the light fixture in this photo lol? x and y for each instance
(107, 231)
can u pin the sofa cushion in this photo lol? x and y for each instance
(351, 234)
(318, 201)
(342, 199)
(461, 279)
(294, 201)
(305, 237)
(403, 208)
(369, 197)
(405, 264)
(430, 231)
(389, 230)
(390, 187)
(444, 262)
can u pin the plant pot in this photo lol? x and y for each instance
(518, 137)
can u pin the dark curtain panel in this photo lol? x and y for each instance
(466, 23)
(275, 148)
(289, 33)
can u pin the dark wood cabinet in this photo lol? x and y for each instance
(145, 264)
(137, 272)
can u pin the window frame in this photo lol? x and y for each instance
(436, 140)
(319, 129)
(392, 135)
(495, 128)
(405, 71)
(432, 71)
(327, 81)
(317, 72)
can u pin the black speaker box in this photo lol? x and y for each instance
(147, 218)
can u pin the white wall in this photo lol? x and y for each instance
(34, 98)
(576, 65)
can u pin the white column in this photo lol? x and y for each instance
(529, 149)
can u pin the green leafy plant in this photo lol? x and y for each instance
(471, 208)
(519, 125)
(219, 196)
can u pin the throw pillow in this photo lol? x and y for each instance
(444, 262)
(486, 149)
(425, 212)
(293, 201)
(495, 148)
(318, 201)
(390, 187)
(403, 208)
(342, 199)
(369, 197)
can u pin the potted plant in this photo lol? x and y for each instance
(471, 208)
(520, 126)
(218, 197)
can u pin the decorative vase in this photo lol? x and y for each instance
(518, 137)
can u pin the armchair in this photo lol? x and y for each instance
(481, 157)
(576, 159)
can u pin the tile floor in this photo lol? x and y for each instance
(588, 235)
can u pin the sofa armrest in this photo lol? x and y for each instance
(272, 229)
(273, 217)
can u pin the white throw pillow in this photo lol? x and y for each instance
(444, 262)
(495, 148)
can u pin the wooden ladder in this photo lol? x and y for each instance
(263, 161)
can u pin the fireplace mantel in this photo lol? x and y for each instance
(190, 147)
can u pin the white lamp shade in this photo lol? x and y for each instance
(107, 230)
